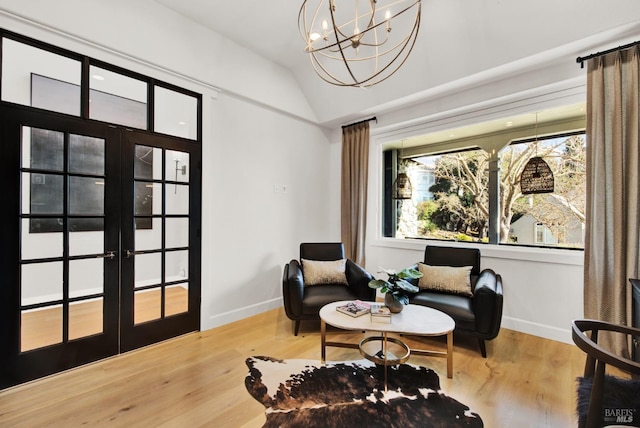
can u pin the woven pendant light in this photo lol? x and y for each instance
(402, 188)
(536, 176)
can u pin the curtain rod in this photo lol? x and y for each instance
(582, 59)
(361, 121)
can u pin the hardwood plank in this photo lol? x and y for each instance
(198, 379)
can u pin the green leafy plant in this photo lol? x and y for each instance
(397, 283)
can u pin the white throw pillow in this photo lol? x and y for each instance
(317, 272)
(446, 279)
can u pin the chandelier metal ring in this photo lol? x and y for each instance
(345, 54)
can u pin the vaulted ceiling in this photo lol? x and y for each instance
(461, 44)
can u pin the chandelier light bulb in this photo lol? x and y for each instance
(365, 26)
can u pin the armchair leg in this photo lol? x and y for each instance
(297, 327)
(483, 348)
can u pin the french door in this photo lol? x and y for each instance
(99, 244)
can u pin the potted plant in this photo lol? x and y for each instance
(396, 288)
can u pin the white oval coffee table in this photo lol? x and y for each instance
(413, 320)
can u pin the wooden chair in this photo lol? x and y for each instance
(597, 359)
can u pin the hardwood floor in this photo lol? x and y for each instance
(198, 380)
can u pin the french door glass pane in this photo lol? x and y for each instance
(87, 236)
(176, 299)
(175, 113)
(38, 78)
(177, 199)
(40, 327)
(147, 305)
(86, 277)
(148, 234)
(41, 283)
(86, 196)
(176, 265)
(42, 193)
(42, 149)
(177, 232)
(177, 166)
(85, 318)
(86, 155)
(148, 198)
(40, 245)
(147, 269)
(147, 164)
(117, 98)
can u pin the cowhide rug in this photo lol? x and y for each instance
(305, 393)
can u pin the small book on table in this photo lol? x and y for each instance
(354, 309)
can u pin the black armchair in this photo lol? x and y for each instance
(478, 315)
(303, 301)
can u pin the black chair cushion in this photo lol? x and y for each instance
(457, 307)
(620, 403)
(316, 296)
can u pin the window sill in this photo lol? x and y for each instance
(508, 252)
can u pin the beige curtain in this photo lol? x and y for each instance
(613, 215)
(355, 170)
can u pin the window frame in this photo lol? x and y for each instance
(86, 63)
(389, 208)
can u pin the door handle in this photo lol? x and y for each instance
(108, 255)
(130, 253)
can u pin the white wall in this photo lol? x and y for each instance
(267, 191)
(259, 138)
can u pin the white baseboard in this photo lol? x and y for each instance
(523, 326)
(540, 330)
(240, 313)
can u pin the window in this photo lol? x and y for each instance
(452, 193)
(558, 217)
(46, 77)
(36, 77)
(117, 98)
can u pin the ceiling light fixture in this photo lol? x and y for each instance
(537, 176)
(357, 45)
(402, 188)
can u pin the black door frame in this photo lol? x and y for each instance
(135, 336)
(18, 367)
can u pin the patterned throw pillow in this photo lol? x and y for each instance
(320, 272)
(446, 279)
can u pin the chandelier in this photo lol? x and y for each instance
(360, 44)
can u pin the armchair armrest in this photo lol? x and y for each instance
(358, 280)
(292, 289)
(487, 303)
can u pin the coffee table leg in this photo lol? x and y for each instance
(323, 341)
(385, 361)
(450, 354)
